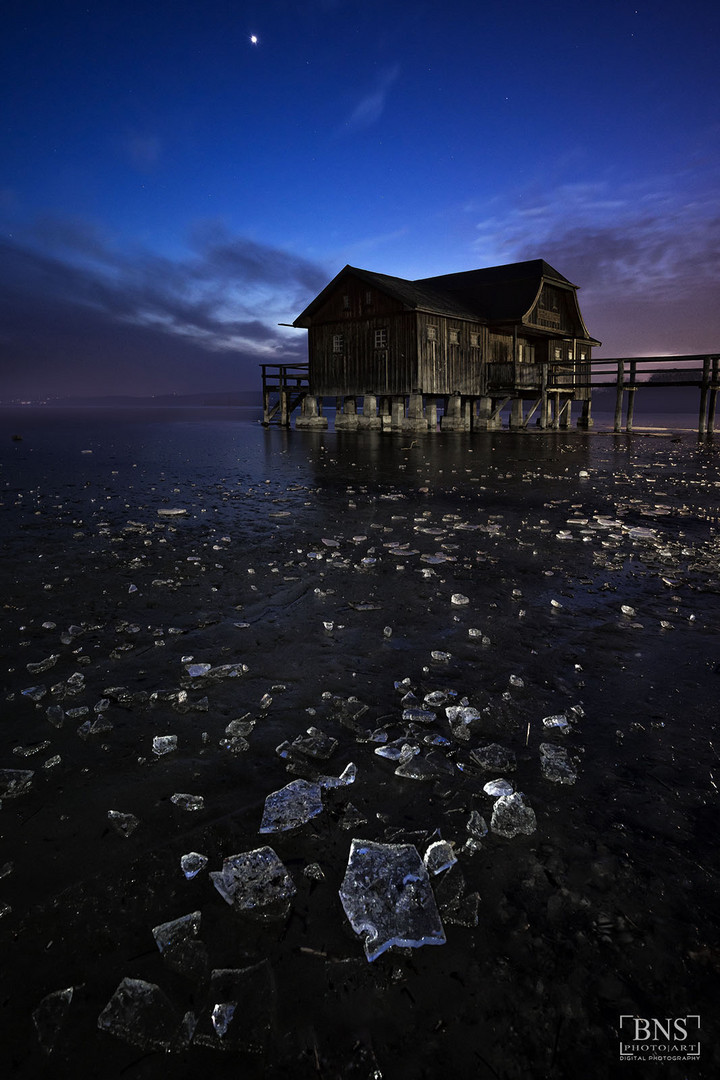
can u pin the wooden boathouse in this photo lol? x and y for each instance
(460, 346)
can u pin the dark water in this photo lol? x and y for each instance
(609, 908)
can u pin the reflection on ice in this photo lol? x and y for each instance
(140, 1013)
(50, 1016)
(387, 897)
(15, 782)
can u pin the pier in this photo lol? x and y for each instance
(627, 375)
(286, 387)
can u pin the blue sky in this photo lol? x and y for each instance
(171, 190)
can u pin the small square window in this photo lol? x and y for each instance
(474, 341)
(368, 297)
(432, 333)
(381, 337)
(338, 343)
(346, 303)
(454, 337)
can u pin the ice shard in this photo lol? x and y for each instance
(255, 882)
(291, 806)
(387, 897)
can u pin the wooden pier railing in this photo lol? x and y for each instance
(630, 374)
(284, 387)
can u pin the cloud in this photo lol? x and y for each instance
(644, 257)
(371, 107)
(79, 316)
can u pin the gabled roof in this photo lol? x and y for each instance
(494, 294)
(500, 293)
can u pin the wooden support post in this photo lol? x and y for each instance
(566, 414)
(397, 413)
(532, 412)
(632, 390)
(556, 410)
(704, 388)
(619, 395)
(545, 400)
(516, 413)
(585, 420)
(712, 400)
(284, 410)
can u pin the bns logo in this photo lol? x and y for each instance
(652, 1039)
(665, 1030)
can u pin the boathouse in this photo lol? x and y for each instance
(397, 354)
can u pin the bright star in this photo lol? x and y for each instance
(253, 39)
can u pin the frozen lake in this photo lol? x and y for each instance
(189, 574)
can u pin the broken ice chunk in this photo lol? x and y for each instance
(556, 765)
(315, 744)
(43, 665)
(439, 856)
(314, 871)
(192, 863)
(387, 896)
(459, 600)
(347, 776)
(50, 1016)
(255, 882)
(140, 1013)
(476, 825)
(15, 782)
(196, 671)
(171, 934)
(558, 722)
(512, 816)
(493, 758)
(164, 744)
(177, 942)
(222, 1016)
(188, 802)
(125, 824)
(291, 806)
(56, 715)
(399, 750)
(35, 693)
(352, 818)
(498, 788)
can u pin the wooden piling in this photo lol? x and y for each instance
(619, 396)
(704, 389)
(712, 397)
(632, 389)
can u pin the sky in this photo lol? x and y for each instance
(178, 178)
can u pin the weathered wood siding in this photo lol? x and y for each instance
(357, 364)
(450, 355)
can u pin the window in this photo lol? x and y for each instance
(453, 337)
(474, 341)
(368, 298)
(346, 303)
(432, 333)
(381, 339)
(338, 343)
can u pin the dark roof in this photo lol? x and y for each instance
(491, 295)
(498, 293)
